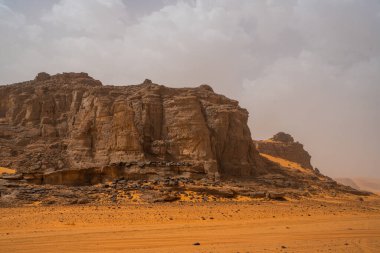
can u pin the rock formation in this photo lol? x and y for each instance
(72, 122)
(282, 145)
(115, 143)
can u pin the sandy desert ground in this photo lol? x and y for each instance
(348, 224)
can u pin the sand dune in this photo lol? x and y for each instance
(286, 163)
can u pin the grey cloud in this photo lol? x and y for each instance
(307, 67)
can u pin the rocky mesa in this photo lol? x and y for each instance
(141, 143)
(71, 122)
(282, 145)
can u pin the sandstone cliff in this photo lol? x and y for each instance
(71, 121)
(282, 145)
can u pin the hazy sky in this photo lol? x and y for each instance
(309, 68)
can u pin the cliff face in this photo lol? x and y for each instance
(71, 121)
(282, 145)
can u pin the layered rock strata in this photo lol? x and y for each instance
(71, 121)
(282, 145)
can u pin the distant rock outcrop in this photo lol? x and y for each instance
(348, 182)
(282, 145)
(71, 121)
(360, 183)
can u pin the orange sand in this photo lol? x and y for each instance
(339, 225)
(285, 163)
(7, 170)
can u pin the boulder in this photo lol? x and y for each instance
(276, 195)
(257, 194)
(156, 197)
(215, 191)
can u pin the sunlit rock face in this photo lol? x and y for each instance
(282, 145)
(70, 121)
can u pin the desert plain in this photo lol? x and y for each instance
(341, 224)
